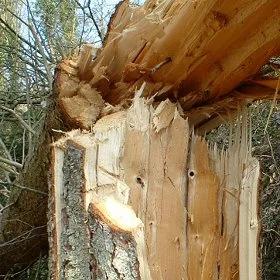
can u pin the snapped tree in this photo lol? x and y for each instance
(136, 192)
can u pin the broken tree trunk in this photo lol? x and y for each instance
(205, 56)
(151, 178)
(125, 184)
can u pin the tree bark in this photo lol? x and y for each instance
(68, 243)
(93, 233)
(113, 251)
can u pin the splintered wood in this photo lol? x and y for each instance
(154, 163)
(222, 229)
(205, 54)
(80, 101)
(134, 200)
(203, 51)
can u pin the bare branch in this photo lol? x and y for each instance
(22, 121)
(5, 149)
(91, 16)
(8, 169)
(17, 35)
(47, 67)
(23, 188)
(11, 162)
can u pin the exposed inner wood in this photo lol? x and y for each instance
(222, 228)
(203, 228)
(79, 101)
(155, 169)
(136, 166)
(249, 223)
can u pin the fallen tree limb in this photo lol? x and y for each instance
(196, 62)
(211, 47)
(11, 162)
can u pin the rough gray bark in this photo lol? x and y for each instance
(75, 257)
(74, 251)
(114, 254)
